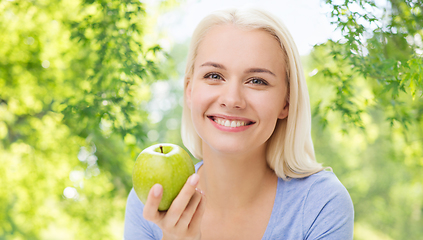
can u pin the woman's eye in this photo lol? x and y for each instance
(213, 76)
(257, 81)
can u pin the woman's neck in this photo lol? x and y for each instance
(235, 181)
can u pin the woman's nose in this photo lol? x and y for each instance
(232, 96)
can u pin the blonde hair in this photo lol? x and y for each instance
(290, 151)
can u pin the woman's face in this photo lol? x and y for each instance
(238, 89)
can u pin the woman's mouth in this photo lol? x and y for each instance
(230, 123)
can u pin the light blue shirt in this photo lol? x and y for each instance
(315, 207)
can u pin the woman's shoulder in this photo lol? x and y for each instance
(328, 210)
(316, 190)
(323, 181)
(319, 203)
(324, 187)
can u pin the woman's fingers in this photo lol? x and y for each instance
(186, 216)
(180, 203)
(183, 219)
(151, 207)
(195, 223)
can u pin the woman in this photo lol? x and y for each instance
(247, 117)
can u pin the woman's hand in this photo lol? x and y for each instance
(183, 219)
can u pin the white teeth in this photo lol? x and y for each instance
(228, 123)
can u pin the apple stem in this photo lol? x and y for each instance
(161, 148)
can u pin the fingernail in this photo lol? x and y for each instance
(157, 190)
(194, 179)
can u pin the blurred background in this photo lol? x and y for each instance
(85, 85)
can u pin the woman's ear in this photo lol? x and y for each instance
(188, 92)
(284, 113)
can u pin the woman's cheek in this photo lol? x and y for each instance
(203, 96)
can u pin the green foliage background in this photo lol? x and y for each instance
(75, 78)
(84, 86)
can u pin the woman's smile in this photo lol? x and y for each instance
(229, 123)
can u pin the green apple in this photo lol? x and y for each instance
(166, 164)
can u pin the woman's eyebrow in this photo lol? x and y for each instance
(259, 70)
(216, 65)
